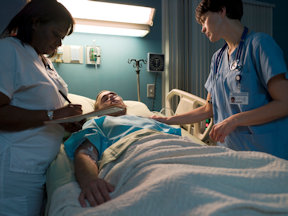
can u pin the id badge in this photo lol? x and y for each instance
(239, 98)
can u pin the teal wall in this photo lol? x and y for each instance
(114, 72)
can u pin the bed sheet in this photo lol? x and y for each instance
(170, 175)
(61, 170)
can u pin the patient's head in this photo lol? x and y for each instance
(108, 98)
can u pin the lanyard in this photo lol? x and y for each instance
(235, 64)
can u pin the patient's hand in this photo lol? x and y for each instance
(93, 189)
(96, 191)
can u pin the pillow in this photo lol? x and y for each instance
(87, 103)
(137, 108)
(133, 107)
(59, 173)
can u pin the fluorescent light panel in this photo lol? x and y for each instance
(110, 18)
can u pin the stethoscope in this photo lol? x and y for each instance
(48, 67)
(46, 64)
(235, 65)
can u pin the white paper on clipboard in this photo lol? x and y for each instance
(106, 111)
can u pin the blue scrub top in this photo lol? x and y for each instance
(102, 132)
(262, 59)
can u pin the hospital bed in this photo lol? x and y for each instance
(161, 174)
(185, 102)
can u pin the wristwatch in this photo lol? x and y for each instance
(50, 114)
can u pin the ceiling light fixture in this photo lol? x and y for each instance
(110, 18)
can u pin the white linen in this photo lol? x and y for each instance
(168, 175)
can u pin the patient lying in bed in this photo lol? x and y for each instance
(148, 172)
(87, 146)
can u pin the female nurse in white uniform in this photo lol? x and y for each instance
(247, 84)
(29, 95)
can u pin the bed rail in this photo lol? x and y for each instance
(188, 101)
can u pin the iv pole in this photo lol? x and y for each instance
(137, 64)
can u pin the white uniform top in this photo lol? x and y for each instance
(29, 85)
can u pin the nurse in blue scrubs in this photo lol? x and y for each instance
(247, 86)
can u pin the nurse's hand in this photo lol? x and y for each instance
(221, 130)
(162, 119)
(73, 126)
(68, 110)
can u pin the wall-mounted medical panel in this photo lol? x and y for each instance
(93, 55)
(69, 54)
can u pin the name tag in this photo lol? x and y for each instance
(239, 98)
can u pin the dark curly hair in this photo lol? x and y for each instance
(43, 11)
(234, 8)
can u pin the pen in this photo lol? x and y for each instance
(64, 96)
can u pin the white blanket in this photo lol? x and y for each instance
(167, 175)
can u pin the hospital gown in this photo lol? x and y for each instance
(102, 132)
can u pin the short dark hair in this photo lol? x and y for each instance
(234, 8)
(96, 104)
(43, 11)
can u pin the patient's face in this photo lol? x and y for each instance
(109, 98)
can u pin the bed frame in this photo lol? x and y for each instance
(188, 101)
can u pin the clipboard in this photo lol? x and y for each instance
(76, 118)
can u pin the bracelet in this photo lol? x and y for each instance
(50, 114)
(89, 152)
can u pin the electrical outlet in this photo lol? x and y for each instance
(150, 90)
